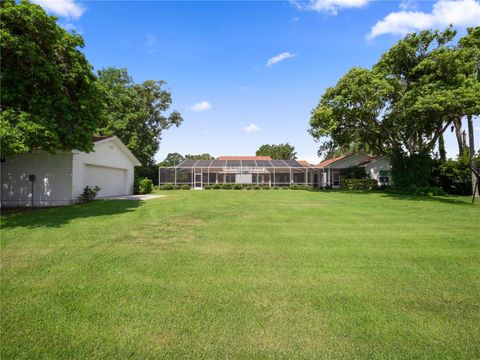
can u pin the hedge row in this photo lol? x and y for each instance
(359, 184)
(174, 187)
(255, 187)
(235, 187)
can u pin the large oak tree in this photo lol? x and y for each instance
(49, 95)
(403, 104)
(136, 112)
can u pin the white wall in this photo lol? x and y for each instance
(373, 168)
(346, 163)
(105, 153)
(53, 183)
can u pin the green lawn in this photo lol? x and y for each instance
(243, 274)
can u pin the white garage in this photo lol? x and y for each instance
(112, 181)
(59, 179)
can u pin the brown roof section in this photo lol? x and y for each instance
(96, 138)
(244, 158)
(330, 161)
(305, 163)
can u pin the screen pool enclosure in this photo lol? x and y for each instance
(272, 173)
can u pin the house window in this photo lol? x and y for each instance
(230, 178)
(383, 177)
(336, 179)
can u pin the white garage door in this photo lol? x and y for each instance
(110, 180)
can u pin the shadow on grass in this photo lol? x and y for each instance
(452, 200)
(59, 216)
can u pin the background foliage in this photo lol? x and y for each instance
(280, 151)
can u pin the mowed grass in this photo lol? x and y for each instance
(243, 274)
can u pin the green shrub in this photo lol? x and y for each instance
(144, 186)
(207, 187)
(217, 186)
(185, 187)
(414, 170)
(300, 187)
(437, 191)
(455, 176)
(418, 190)
(353, 172)
(237, 187)
(176, 187)
(227, 186)
(256, 187)
(149, 172)
(166, 187)
(276, 188)
(359, 184)
(89, 193)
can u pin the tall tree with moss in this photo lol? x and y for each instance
(136, 112)
(49, 94)
(469, 48)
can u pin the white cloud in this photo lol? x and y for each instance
(444, 13)
(64, 8)
(201, 106)
(406, 5)
(280, 57)
(150, 39)
(251, 128)
(330, 7)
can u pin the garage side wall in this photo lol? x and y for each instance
(53, 184)
(106, 158)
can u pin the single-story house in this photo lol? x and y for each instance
(375, 168)
(44, 179)
(244, 170)
(265, 171)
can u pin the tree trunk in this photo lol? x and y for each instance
(471, 144)
(441, 148)
(457, 123)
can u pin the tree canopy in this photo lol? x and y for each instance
(49, 95)
(172, 159)
(135, 112)
(280, 151)
(405, 102)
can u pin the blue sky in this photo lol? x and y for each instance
(248, 73)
